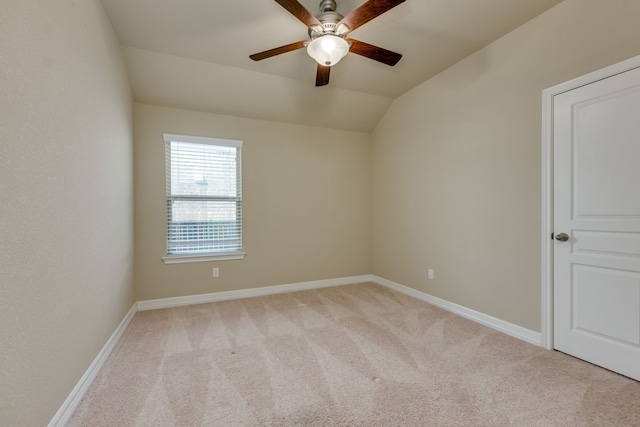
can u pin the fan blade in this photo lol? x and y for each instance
(278, 50)
(374, 52)
(299, 11)
(367, 12)
(322, 76)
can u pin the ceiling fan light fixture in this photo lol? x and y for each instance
(328, 49)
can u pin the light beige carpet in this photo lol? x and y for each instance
(358, 355)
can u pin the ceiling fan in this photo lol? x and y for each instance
(328, 42)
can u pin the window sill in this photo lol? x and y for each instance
(179, 259)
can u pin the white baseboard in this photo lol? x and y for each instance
(64, 414)
(515, 331)
(248, 293)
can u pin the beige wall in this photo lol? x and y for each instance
(456, 162)
(306, 204)
(66, 215)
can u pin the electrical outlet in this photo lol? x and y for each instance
(430, 273)
(216, 272)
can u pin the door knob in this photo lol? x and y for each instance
(562, 237)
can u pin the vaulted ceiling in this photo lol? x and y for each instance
(194, 54)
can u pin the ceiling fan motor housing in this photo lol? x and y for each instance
(329, 18)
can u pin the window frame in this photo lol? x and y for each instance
(201, 256)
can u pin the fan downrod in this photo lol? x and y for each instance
(327, 6)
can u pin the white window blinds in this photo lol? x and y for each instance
(204, 196)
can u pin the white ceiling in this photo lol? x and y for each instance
(195, 54)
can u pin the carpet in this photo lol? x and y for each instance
(355, 355)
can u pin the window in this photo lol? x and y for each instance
(204, 199)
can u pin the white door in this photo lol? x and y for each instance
(596, 135)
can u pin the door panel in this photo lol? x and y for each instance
(605, 161)
(597, 203)
(606, 303)
(607, 243)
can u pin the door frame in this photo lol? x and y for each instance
(546, 339)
